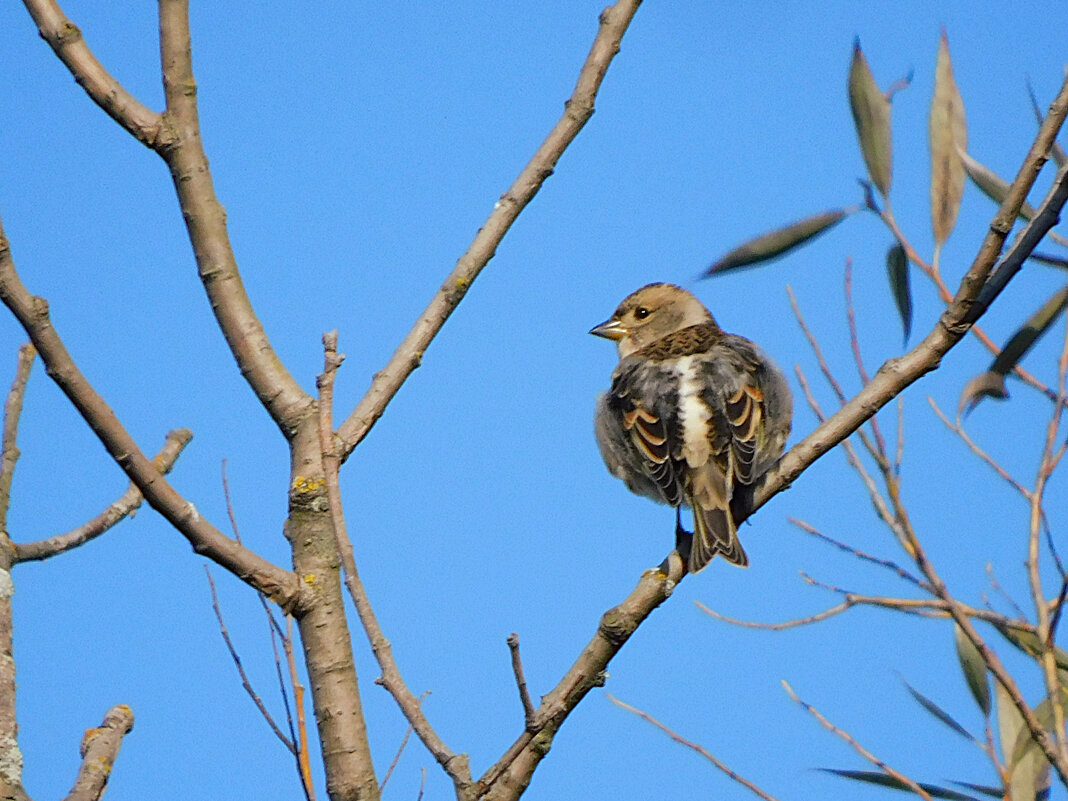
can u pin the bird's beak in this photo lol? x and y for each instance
(610, 329)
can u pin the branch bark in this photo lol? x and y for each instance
(125, 505)
(32, 312)
(578, 109)
(100, 747)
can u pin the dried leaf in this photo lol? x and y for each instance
(871, 116)
(1057, 152)
(1027, 766)
(947, 131)
(991, 384)
(882, 780)
(897, 270)
(774, 243)
(990, 183)
(939, 713)
(974, 669)
(984, 385)
(1031, 331)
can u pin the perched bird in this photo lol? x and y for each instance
(694, 417)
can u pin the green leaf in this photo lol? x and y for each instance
(1028, 642)
(1044, 712)
(974, 669)
(871, 116)
(990, 183)
(778, 241)
(947, 132)
(897, 270)
(881, 779)
(938, 712)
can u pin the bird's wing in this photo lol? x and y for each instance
(637, 399)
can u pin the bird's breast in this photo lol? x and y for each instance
(693, 413)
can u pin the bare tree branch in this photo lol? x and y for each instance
(100, 747)
(9, 451)
(64, 37)
(125, 505)
(520, 679)
(245, 683)
(577, 111)
(32, 312)
(692, 745)
(205, 220)
(455, 765)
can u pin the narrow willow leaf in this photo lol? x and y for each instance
(1031, 331)
(990, 183)
(1057, 152)
(991, 384)
(985, 789)
(1028, 766)
(777, 242)
(938, 712)
(881, 779)
(871, 116)
(946, 131)
(1009, 723)
(1028, 642)
(897, 270)
(1025, 743)
(984, 385)
(974, 669)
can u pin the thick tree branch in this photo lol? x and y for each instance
(455, 765)
(578, 109)
(64, 37)
(128, 503)
(205, 220)
(32, 312)
(509, 777)
(100, 747)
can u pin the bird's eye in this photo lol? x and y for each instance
(641, 312)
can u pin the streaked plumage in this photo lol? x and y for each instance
(694, 416)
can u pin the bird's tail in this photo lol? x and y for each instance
(714, 532)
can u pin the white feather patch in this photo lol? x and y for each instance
(693, 414)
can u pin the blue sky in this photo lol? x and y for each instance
(357, 149)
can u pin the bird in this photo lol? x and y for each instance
(694, 416)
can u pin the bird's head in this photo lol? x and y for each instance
(650, 314)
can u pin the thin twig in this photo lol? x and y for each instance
(854, 344)
(520, 679)
(958, 429)
(864, 752)
(245, 683)
(899, 454)
(455, 765)
(400, 749)
(422, 784)
(817, 351)
(693, 746)
(9, 452)
(887, 563)
(303, 747)
(578, 109)
(124, 506)
(996, 586)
